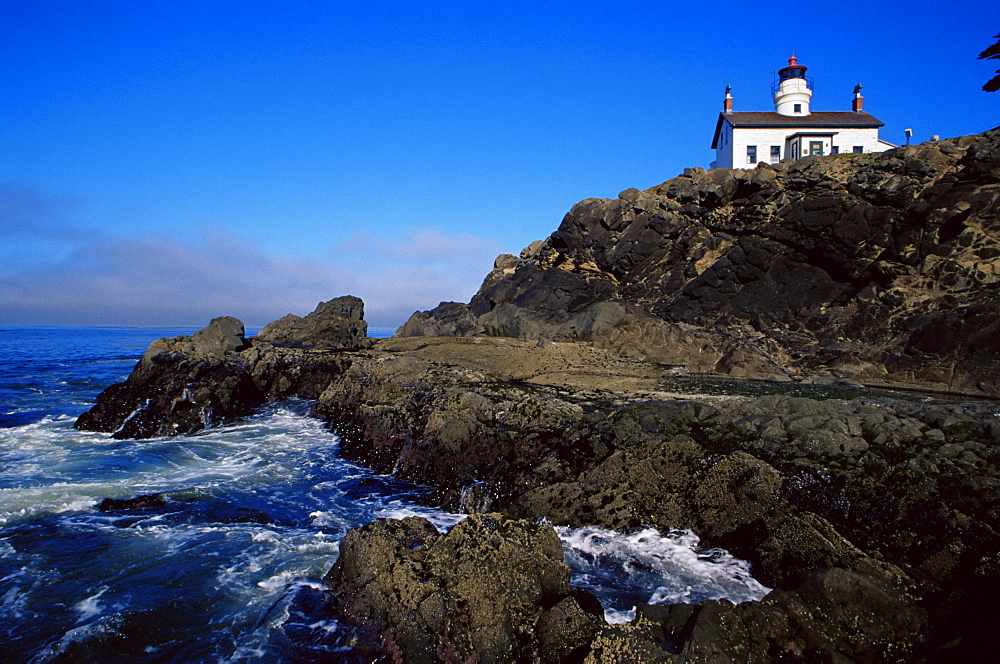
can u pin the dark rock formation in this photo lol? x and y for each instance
(448, 319)
(336, 325)
(143, 502)
(493, 589)
(186, 383)
(877, 268)
(875, 518)
(496, 590)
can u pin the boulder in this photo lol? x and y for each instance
(493, 589)
(181, 385)
(186, 383)
(335, 325)
(448, 319)
(223, 335)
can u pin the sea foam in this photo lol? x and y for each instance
(647, 567)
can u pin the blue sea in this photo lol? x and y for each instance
(229, 567)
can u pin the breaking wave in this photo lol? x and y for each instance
(647, 567)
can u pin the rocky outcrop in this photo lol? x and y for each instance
(335, 325)
(878, 269)
(186, 383)
(448, 319)
(555, 394)
(873, 506)
(493, 589)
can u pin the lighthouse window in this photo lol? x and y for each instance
(815, 147)
(775, 154)
(858, 149)
(751, 154)
(797, 108)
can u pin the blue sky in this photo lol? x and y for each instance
(162, 163)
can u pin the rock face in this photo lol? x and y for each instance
(186, 383)
(879, 269)
(555, 394)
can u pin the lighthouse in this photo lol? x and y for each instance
(794, 90)
(792, 130)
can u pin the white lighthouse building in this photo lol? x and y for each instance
(744, 138)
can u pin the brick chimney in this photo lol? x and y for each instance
(727, 104)
(858, 100)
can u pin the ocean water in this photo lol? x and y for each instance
(228, 568)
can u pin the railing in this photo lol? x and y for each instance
(776, 85)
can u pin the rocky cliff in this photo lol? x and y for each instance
(558, 392)
(879, 269)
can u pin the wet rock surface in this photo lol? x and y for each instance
(877, 268)
(493, 588)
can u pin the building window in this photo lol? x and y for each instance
(797, 108)
(751, 154)
(815, 147)
(858, 149)
(775, 154)
(835, 149)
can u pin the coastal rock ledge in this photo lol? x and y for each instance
(572, 388)
(874, 518)
(186, 383)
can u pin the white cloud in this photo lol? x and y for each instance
(414, 270)
(159, 280)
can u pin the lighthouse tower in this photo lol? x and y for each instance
(794, 90)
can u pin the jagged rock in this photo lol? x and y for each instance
(186, 383)
(876, 518)
(145, 501)
(181, 385)
(336, 324)
(493, 589)
(448, 319)
(834, 616)
(879, 269)
(900, 496)
(223, 335)
(496, 590)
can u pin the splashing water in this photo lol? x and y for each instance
(646, 567)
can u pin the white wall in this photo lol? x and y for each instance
(732, 153)
(866, 138)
